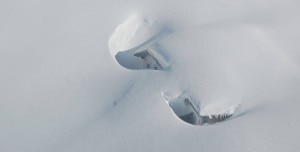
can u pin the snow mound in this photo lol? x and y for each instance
(134, 43)
(132, 32)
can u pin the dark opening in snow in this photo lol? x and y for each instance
(144, 59)
(189, 111)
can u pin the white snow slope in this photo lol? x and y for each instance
(61, 88)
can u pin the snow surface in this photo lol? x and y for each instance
(136, 35)
(62, 90)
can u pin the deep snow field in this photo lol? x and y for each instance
(71, 82)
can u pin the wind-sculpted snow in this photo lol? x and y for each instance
(62, 89)
(134, 44)
(136, 39)
(189, 110)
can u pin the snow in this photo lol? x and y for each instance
(137, 34)
(133, 32)
(61, 88)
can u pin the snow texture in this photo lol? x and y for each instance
(63, 88)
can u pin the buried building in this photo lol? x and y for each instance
(189, 111)
(136, 59)
(151, 59)
(185, 109)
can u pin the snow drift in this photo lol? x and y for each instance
(62, 88)
(136, 36)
